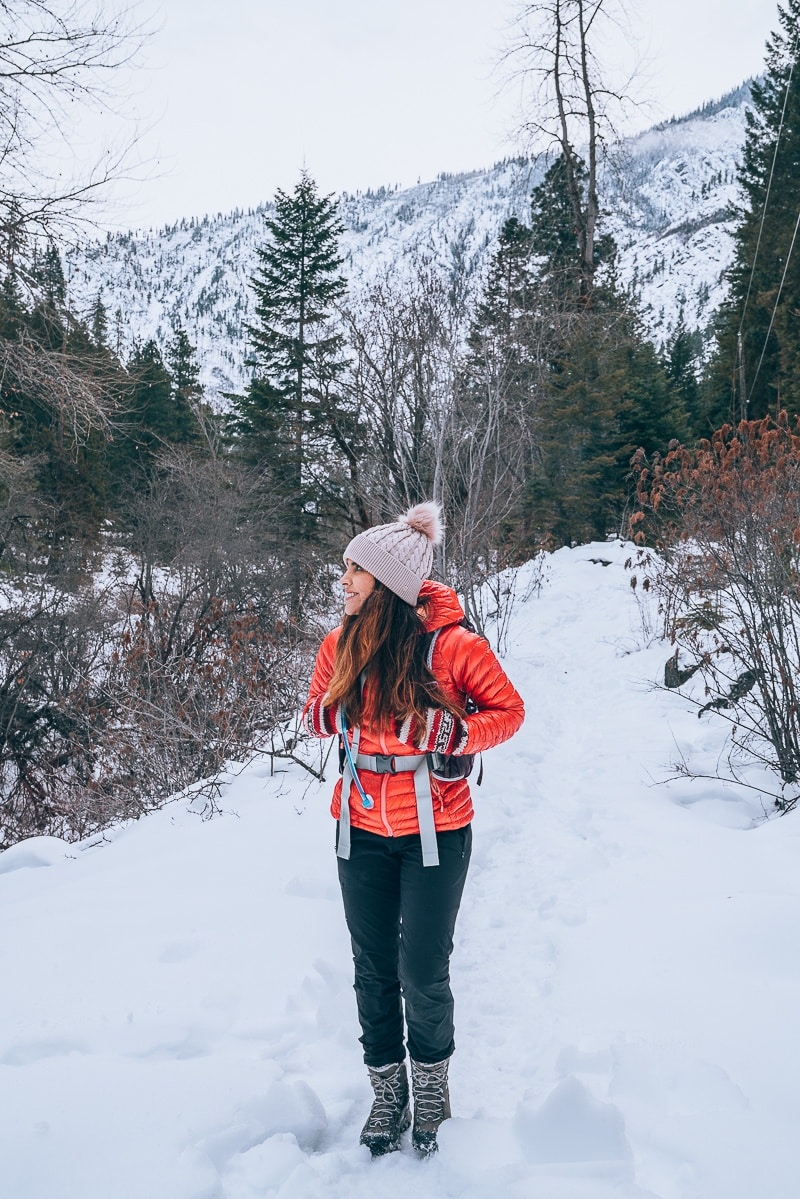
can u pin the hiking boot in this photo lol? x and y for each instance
(431, 1103)
(389, 1116)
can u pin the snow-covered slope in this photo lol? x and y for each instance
(178, 1017)
(669, 194)
(674, 196)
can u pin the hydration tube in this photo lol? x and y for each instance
(366, 800)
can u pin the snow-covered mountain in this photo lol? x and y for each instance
(669, 194)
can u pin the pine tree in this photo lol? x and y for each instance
(558, 242)
(12, 236)
(756, 367)
(682, 354)
(152, 419)
(597, 389)
(12, 309)
(507, 296)
(502, 354)
(187, 392)
(152, 387)
(49, 317)
(553, 223)
(51, 278)
(98, 323)
(280, 422)
(52, 353)
(606, 394)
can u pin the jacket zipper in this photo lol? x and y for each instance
(384, 788)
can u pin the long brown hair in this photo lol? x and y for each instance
(385, 642)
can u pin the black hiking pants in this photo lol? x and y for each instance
(401, 916)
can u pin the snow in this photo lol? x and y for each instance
(178, 1019)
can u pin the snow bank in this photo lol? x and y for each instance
(178, 1017)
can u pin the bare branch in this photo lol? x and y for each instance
(57, 62)
(567, 104)
(59, 384)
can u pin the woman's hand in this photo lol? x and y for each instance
(444, 733)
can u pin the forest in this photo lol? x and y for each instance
(166, 565)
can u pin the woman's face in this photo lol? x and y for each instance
(357, 584)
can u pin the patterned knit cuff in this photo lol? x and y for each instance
(322, 721)
(444, 733)
(447, 734)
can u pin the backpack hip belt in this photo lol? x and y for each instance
(387, 764)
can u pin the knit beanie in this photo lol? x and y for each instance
(400, 554)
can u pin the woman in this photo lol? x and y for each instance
(400, 681)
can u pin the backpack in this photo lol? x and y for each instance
(450, 767)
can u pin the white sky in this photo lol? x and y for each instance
(238, 96)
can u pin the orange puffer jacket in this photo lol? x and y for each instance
(464, 665)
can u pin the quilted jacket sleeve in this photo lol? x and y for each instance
(476, 672)
(318, 719)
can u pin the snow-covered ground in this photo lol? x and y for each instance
(177, 1013)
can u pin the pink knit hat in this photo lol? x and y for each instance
(400, 554)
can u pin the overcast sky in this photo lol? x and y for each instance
(236, 96)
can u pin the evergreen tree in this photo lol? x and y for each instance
(556, 237)
(159, 410)
(52, 358)
(49, 317)
(98, 323)
(594, 389)
(151, 419)
(51, 278)
(12, 309)
(683, 353)
(508, 293)
(502, 354)
(756, 367)
(606, 394)
(12, 236)
(553, 224)
(152, 389)
(282, 420)
(187, 392)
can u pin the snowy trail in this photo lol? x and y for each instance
(177, 1018)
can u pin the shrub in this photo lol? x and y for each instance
(725, 519)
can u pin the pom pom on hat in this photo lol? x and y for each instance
(400, 554)
(426, 519)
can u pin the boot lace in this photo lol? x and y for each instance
(430, 1092)
(391, 1096)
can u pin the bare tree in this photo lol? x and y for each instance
(60, 382)
(406, 339)
(432, 427)
(58, 59)
(209, 662)
(567, 101)
(489, 453)
(18, 505)
(52, 716)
